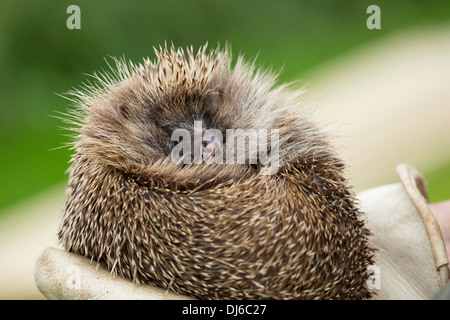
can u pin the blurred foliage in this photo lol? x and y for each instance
(39, 56)
(438, 183)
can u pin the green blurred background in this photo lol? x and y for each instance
(40, 57)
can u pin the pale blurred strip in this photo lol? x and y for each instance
(26, 230)
(389, 102)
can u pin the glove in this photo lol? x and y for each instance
(412, 261)
(62, 275)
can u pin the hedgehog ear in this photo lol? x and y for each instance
(123, 110)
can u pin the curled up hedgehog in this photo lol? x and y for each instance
(219, 229)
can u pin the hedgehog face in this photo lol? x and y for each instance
(141, 127)
(129, 117)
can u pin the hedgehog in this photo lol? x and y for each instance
(210, 230)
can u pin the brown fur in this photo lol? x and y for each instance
(210, 231)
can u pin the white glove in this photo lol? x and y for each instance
(412, 261)
(62, 275)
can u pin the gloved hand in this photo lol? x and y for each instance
(62, 275)
(411, 261)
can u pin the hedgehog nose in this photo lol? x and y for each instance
(210, 147)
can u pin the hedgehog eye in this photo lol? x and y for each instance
(123, 110)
